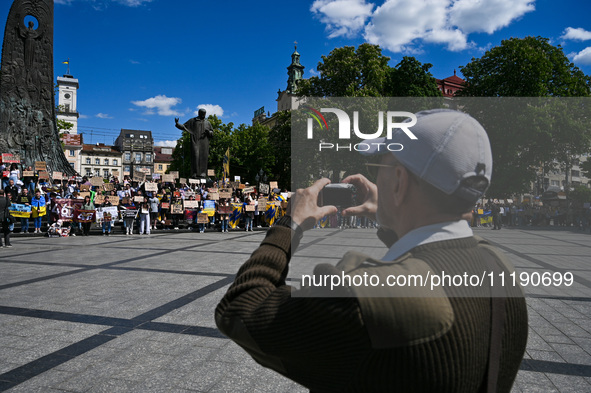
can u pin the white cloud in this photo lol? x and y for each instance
(211, 110)
(342, 17)
(583, 57)
(487, 16)
(103, 116)
(577, 34)
(133, 3)
(313, 72)
(84, 117)
(165, 143)
(404, 25)
(162, 104)
(134, 61)
(100, 5)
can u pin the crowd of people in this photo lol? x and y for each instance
(497, 215)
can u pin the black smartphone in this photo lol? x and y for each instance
(341, 195)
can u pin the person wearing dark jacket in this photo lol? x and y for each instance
(24, 199)
(360, 336)
(4, 217)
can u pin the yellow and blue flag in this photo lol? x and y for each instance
(271, 214)
(235, 215)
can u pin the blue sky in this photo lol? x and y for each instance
(141, 63)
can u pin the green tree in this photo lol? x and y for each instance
(580, 195)
(532, 134)
(251, 152)
(524, 67)
(586, 167)
(347, 72)
(410, 78)
(280, 140)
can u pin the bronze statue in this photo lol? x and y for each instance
(201, 131)
(27, 103)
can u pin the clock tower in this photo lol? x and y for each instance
(67, 101)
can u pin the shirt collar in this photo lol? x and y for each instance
(428, 234)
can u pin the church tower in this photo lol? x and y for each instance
(287, 100)
(67, 101)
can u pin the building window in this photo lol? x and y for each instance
(97, 173)
(105, 173)
(72, 164)
(72, 153)
(127, 168)
(88, 160)
(575, 173)
(138, 157)
(88, 172)
(555, 183)
(97, 161)
(127, 156)
(106, 161)
(148, 157)
(115, 162)
(159, 167)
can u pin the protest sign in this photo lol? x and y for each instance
(65, 208)
(138, 198)
(225, 209)
(5, 173)
(194, 181)
(43, 175)
(84, 187)
(237, 179)
(8, 158)
(156, 176)
(234, 184)
(262, 204)
(209, 207)
(40, 166)
(174, 174)
(263, 188)
(176, 208)
(250, 208)
(182, 180)
(57, 176)
(190, 215)
(225, 193)
(115, 173)
(108, 186)
(96, 181)
(107, 213)
(83, 194)
(18, 210)
(248, 190)
(273, 185)
(241, 186)
(191, 204)
(129, 213)
(152, 187)
(28, 173)
(211, 172)
(215, 189)
(215, 196)
(202, 218)
(168, 178)
(139, 176)
(165, 205)
(84, 216)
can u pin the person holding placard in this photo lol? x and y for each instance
(107, 217)
(249, 214)
(24, 199)
(87, 205)
(144, 212)
(224, 216)
(39, 209)
(154, 206)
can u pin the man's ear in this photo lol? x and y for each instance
(401, 185)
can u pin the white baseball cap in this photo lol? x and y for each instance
(452, 152)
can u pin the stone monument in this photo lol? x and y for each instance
(201, 131)
(27, 100)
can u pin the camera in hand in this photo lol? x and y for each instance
(341, 195)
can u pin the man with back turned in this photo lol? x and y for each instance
(388, 338)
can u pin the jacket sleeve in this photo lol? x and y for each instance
(292, 335)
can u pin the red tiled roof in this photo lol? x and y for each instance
(159, 157)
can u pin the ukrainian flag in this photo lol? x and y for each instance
(235, 215)
(226, 164)
(271, 213)
(323, 222)
(486, 218)
(280, 198)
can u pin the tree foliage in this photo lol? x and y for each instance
(532, 134)
(364, 72)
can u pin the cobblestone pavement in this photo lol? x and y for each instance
(135, 313)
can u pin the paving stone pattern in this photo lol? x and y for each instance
(135, 313)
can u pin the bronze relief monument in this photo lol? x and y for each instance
(201, 131)
(27, 102)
